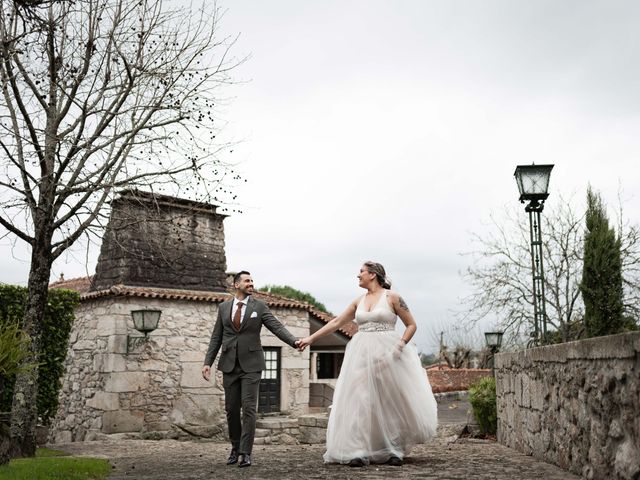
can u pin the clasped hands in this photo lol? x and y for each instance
(303, 343)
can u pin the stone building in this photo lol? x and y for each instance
(165, 254)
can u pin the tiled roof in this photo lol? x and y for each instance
(80, 284)
(454, 379)
(83, 284)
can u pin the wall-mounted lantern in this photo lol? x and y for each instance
(144, 321)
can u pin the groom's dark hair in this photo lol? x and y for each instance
(236, 277)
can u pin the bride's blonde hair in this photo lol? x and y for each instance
(381, 275)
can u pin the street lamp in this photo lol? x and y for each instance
(494, 340)
(533, 184)
(144, 321)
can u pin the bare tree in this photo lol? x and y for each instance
(459, 347)
(629, 236)
(500, 273)
(99, 95)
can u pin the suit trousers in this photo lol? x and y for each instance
(241, 393)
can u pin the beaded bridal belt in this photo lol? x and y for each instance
(375, 327)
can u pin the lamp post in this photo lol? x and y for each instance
(494, 341)
(144, 321)
(533, 184)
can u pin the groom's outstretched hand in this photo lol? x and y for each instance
(299, 345)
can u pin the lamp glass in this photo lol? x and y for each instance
(493, 339)
(533, 181)
(145, 321)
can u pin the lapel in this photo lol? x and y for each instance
(247, 313)
(226, 313)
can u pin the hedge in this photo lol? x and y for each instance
(58, 320)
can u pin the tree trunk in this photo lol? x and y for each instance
(5, 444)
(5, 435)
(24, 412)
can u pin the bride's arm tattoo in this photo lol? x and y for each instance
(403, 304)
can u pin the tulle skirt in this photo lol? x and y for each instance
(382, 404)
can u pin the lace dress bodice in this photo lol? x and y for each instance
(380, 319)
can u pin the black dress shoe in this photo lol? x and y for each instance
(245, 462)
(233, 457)
(356, 462)
(395, 461)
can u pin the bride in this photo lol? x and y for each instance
(382, 404)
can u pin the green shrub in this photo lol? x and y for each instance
(13, 350)
(482, 396)
(58, 319)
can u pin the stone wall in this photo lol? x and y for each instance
(320, 395)
(159, 241)
(576, 405)
(157, 389)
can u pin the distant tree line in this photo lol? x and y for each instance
(294, 294)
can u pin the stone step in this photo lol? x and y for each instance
(262, 441)
(314, 420)
(317, 410)
(277, 423)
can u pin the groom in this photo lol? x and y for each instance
(237, 331)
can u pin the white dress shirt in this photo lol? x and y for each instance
(235, 307)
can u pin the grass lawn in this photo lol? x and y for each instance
(55, 465)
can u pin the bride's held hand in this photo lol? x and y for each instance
(304, 343)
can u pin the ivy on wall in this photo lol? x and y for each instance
(58, 320)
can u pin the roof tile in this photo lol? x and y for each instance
(82, 285)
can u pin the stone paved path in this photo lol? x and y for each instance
(443, 458)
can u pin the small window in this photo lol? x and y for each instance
(328, 364)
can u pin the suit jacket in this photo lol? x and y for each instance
(243, 344)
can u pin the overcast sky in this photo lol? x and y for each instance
(390, 130)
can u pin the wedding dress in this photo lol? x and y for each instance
(382, 404)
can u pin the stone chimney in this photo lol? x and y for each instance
(160, 241)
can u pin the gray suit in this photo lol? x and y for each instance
(242, 362)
